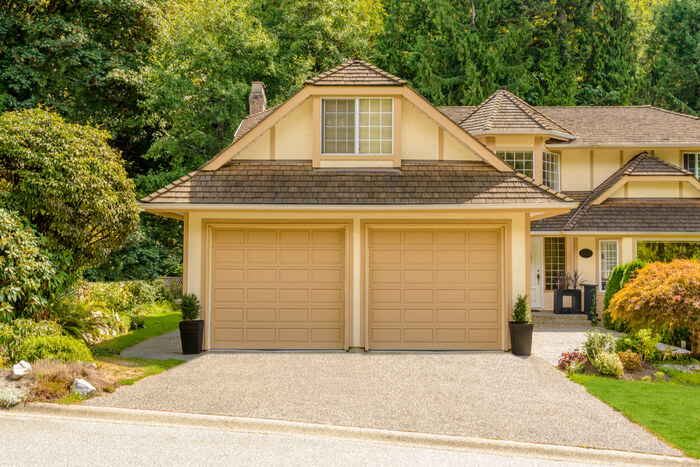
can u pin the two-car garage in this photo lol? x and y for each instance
(288, 287)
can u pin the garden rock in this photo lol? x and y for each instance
(83, 388)
(20, 370)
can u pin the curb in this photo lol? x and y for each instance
(409, 439)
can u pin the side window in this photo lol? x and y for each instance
(690, 163)
(550, 170)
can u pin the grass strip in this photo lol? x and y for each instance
(668, 409)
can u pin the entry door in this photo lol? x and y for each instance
(536, 273)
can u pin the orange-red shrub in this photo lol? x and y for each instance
(662, 294)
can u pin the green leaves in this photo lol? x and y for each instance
(68, 182)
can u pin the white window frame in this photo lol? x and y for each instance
(357, 126)
(600, 260)
(696, 158)
(515, 149)
(546, 153)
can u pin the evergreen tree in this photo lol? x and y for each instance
(673, 81)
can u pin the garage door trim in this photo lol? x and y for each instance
(208, 229)
(504, 228)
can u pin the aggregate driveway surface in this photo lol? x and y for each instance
(481, 394)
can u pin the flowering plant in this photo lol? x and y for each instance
(567, 358)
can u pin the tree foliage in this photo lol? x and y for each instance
(662, 295)
(81, 57)
(674, 57)
(26, 270)
(68, 182)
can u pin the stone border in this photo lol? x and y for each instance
(408, 439)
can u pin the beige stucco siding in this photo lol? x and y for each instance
(575, 170)
(293, 134)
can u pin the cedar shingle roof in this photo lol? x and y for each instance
(503, 112)
(634, 126)
(356, 73)
(416, 183)
(624, 215)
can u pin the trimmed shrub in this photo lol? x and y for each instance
(608, 363)
(631, 361)
(597, 342)
(619, 276)
(190, 307)
(64, 348)
(16, 332)
(663, 295)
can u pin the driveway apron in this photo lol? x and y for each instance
(479, 394)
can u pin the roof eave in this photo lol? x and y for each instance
(560, 207)
(555, 134)
(682, 144)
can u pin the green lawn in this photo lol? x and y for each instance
(156, 324)
(669, 409)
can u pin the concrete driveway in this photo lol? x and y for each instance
(479, 394)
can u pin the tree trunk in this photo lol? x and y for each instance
(695, 343)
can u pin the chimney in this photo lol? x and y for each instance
(257, 99)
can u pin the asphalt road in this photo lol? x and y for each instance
(30, 440)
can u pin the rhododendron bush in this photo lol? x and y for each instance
(662, 294)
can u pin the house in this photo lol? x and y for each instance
(358, 215)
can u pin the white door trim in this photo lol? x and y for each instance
(537, 273)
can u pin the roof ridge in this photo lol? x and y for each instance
(525, 107)
(356, 61)
(673, 112)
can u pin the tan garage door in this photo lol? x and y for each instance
(277, 288)
(435, 289)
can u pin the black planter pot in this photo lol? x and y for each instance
(520, 338)
(559, 295)
(191, 334)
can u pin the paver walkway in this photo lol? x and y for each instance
(481, 394)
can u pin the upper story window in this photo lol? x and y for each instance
(690, 163)
(357, 126)
(550, 170)
(522, 161)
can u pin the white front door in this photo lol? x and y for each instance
(536, 273)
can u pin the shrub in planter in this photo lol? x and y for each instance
(191, 328)
(63, 348)
(597, 342)
(608, 363)
(631, 361)
(521, 327)
(662, 295)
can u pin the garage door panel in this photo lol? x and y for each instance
(418, 276)
(418, 335)
(293, 315)
(327, 315)
(483, 316)
(433, 289)
(452, 336)
(229, 237)
(487, 257)
(260, 256)
(278, 288)
(391, 315)
(232, 295)
(227, 315)
(261, 315)
(457, 315)
(229, 256)
(419, 315)
(268, 335)
(291, 276)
